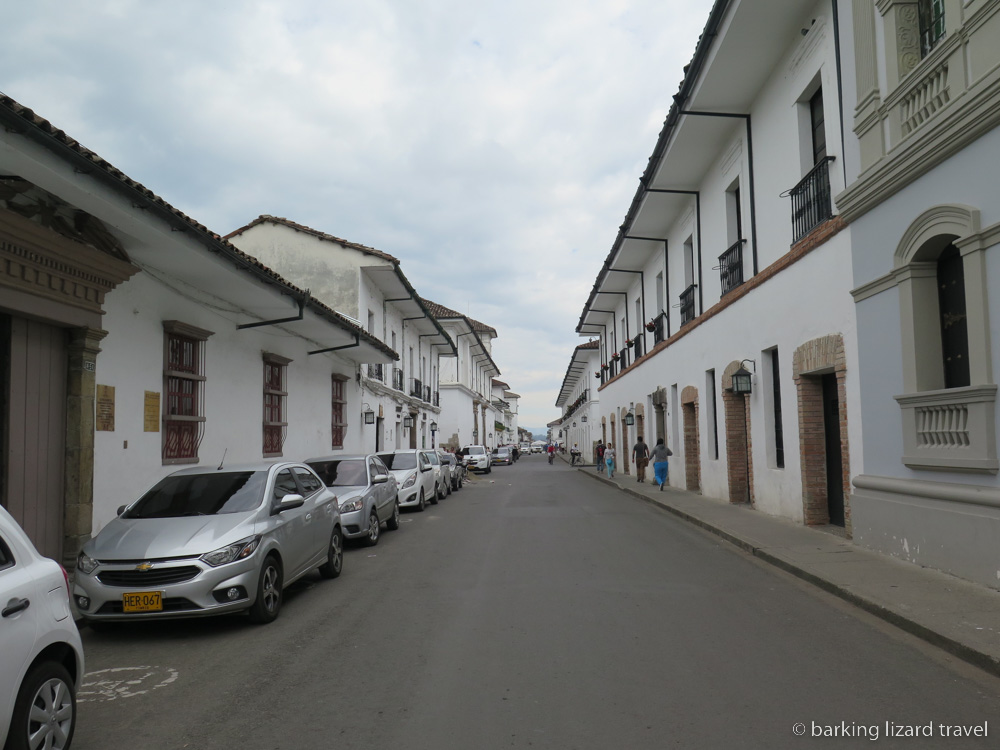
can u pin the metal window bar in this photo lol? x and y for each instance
(624, 357)
(416, 388)
(659, 328)
(931, 20)
(427, 393)
(687, 304)
(731, 267)
(397, 378)
(437, 398)
(811, 202)
(375, 372)
(638, 347)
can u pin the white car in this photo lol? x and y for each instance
(477, 458)
(41, 656)
(415, 477)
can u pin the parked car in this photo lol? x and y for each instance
(503, 456)
(414, 475)
(524, 448)
(446, 471)
(442, 483)
(366, 491)
(477, 458)
(41, 657)
(457, 469)
(205, 541)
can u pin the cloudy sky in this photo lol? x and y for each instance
(492, 146)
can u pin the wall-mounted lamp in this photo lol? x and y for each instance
(368, 414)
(743, 379)
(629, 419)
(434, 426)
(407, 422)
(584, 419)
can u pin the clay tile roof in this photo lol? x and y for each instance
(442, 312)
(511, 394)
(215, 242)
(265, 218)
(499, 382)
(595, 344)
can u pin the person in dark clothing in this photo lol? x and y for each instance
(640, 454)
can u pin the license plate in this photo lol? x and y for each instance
(142, 601)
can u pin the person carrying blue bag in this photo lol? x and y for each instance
(661, 467)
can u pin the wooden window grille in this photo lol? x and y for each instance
(183, 408)
(338, 408)
(275, 395)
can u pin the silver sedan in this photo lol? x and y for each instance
(205, 541)
(366, 491)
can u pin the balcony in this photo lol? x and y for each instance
(427, 394)
(687, 304)
(375, 373)
(416, 388)
(811, 204)
(950, 430)
(397, 378)
(623, 362)
(637, 347)
(437, 398)
(659, 328)
(731, 267)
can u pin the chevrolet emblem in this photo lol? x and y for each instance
(144, 566)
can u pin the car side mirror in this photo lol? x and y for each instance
(288, 502)
(121, 509)
(426, 468)
(380, 479)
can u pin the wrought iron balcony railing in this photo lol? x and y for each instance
(437, 398)
(397, 378)
(375, 372)
(731, 267)
(811, 204)
(659, 328)
(637, 348)
(427, 394)
(687, 304)
(416, 388)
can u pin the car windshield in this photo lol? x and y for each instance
(399, 461)
(201, 495)
(349, 473)
(475, 450)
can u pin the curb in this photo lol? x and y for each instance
(979, 659)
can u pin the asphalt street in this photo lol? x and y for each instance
(536, 608)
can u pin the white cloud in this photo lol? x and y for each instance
(513, 132)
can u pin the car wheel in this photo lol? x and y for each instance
(374, 529)
(461, 480)
(489, 469)
(421, 504)
(435, 496)
(45, 710)
(334, 556)
(393, 523)
(266, 607)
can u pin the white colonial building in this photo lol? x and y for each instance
(922, 94)
(579, 400)
(400, 406)
(136, 342)
(467, 413)
(732, 258)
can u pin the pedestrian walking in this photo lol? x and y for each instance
(609, 459)
(552, 452)
(599, 454)
(661, 467)
(640, 454)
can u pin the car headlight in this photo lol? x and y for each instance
(351, 505)
(86, 563)
(237, 551)
(410, 480)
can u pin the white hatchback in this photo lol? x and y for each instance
(41, 657)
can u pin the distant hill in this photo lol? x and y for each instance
(537, 433)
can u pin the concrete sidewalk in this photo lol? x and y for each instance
(959, 617)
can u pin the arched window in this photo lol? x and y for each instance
(954, 323)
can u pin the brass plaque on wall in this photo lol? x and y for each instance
(151, 412)
(105, 408)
